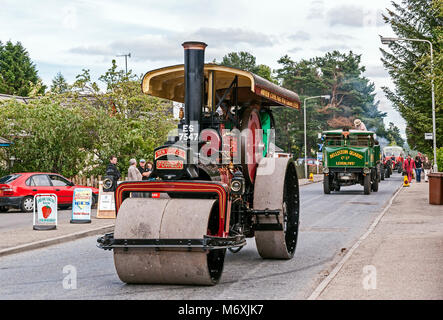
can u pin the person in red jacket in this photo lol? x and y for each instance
(408, 167)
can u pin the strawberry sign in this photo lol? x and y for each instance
(45, 212)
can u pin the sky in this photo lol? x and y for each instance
(68, 36)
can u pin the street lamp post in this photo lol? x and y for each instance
(304, 115)
(385, 40)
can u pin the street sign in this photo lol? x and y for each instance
(81, 205)
(45, 212)
(428, 136)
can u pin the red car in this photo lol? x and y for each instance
(17, 190)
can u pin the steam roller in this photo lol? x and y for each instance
(216, 182)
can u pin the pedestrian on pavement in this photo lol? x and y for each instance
(408, 167)
(144, 170)
(418, 167)
(427, 165)
(359, 125)
(133, 173)
(112, 170)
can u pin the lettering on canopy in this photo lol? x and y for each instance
(276, 98)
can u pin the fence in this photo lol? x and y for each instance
(90, 181)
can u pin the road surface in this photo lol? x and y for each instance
(330, 224)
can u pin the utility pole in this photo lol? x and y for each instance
(327, 97)
(126, 60)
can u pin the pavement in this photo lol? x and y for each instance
(17, 234)
(401, 259)
(317, 178)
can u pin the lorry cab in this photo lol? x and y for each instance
(350, 157)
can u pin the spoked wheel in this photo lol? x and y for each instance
(278, 190)
(251, 143)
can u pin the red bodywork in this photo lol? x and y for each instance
(12, 192)
(195, 187)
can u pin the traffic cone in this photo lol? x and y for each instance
(311, 177)
(406, 182)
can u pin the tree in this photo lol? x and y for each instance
(59, 84)
(408, 64)
(394, 136)
(241, 60)
(75, 133)
(338, 75)
(18, 74)
(245, 61)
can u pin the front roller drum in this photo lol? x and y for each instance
(141, 218)
(276, 188)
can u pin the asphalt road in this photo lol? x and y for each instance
(330, 224)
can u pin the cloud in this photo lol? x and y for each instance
(376, 71)
(354, 16)
(295, 50)
(337, 36)
(167, 46)
(92, 50)
(337, 46)
(300, 35)
(316, 9)
(233, 36)
(69, 17)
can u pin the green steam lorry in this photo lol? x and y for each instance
(350, 157)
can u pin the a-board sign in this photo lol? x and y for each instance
(45, 212)
(81, 205)
(106, 204)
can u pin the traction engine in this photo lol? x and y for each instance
(218, 180)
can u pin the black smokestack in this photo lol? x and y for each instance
(194, 79)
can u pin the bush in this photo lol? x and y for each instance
(71, 135)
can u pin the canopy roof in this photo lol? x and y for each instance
(168, 83)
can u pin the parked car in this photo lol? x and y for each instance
(17, 190)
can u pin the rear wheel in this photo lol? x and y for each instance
(367, 184)
(374, 185)
(4, 209)
(326, 186)
(27, 204)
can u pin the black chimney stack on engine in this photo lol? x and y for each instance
(194, 79)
